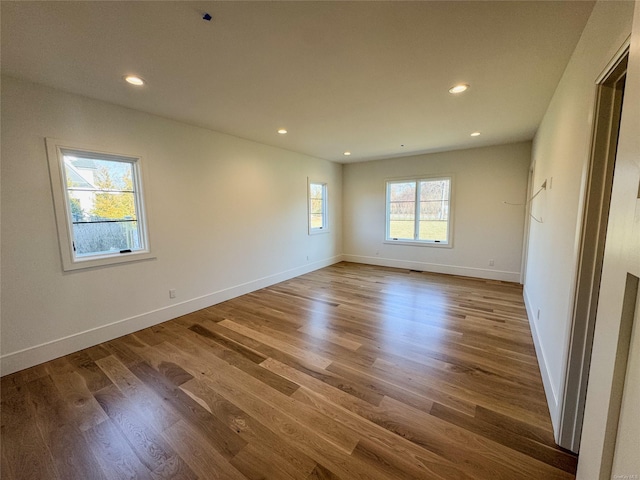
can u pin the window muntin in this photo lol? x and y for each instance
(99, 206)
(317, 207)
(418, 211)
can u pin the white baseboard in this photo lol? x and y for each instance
(436, 268)
(28, 357)
(549, 390)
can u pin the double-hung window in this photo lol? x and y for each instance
(419, 211)
(317, 207)
(99, 206)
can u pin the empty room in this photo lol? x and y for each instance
(320, 240)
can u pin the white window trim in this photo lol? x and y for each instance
(420, 243)
(325, 206)
(63, 214)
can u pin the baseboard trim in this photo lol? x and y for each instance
(549, 391)
(29, 357)
(436, 268)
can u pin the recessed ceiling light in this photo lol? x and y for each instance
(134, 80)
(475, 134)
(282, 131)
(346, 154)
(461, 87)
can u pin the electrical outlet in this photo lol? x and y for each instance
(492, 262)
(172, 293)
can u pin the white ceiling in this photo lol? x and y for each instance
(366, 77)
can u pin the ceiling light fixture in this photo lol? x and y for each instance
(346, 154)
(461, 87)
(475, 134)
(282, 131)
(134, 80)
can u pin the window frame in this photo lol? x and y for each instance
(56, 150)
(325, 206)
(448, 243)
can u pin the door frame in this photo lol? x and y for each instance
(599, 184)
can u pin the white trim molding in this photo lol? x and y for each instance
(436, 268)
(28, 357)
(550, 392)
(57, 150)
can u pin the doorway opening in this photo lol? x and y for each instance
(610, 94)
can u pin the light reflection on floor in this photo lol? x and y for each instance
(418, 314)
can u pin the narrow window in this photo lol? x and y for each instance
(99, 206)
(419, 211)
(317, 207)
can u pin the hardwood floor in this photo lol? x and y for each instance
(349, 372)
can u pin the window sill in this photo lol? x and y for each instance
(318, 231)
(106, 260)
(418, 244)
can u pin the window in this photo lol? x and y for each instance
(317, 207)
(99, 206)
(419, 211)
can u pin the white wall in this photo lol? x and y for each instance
(622, 256)
(561, 152)
(227, 216)
(483, 227)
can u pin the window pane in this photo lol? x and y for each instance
(434, 210)
(315, 191)
(402, 210)
(104, 238)
(77, 205)
(108, 206)
(405, 191)
(102, 203)
(434, 190)
(429, 215)
(316, 220)
(316, 205)
(433, 230)
(98, 174)
(402, 229)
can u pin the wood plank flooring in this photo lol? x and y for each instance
(349, 372)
